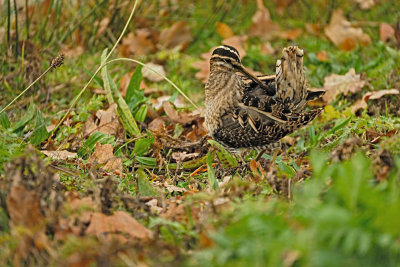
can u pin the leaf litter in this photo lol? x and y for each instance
(175, 136)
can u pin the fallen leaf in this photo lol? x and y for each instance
(224, 30)
(257, 170)
(174, 116)
(322, 56)
(281, 5)
(153, 204)
(178, 35)
(105, 121)
(314, 29)
(183, 156)
(103, 24)
(266, 48)
(365, 4)
(362, 103)
(290, 34)
(157, 125)
(80, 212)
(102, 226)
(59, 155)
(335, 84)
(198, 130)
(262, 25)
(157, 103)
(103, 154)
(151, 75)
(139, 43)
(203, 66)
(343, 35)
(173, 188)
(385, 31)
(23, 207)
(109, 122)
(375, 137)
(72, 52)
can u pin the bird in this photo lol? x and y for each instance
(244, 111)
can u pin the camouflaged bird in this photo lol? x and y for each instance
(246, 111)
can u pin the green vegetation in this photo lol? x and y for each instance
(329, 197)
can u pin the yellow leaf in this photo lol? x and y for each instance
(224, 30)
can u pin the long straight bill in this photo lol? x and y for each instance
(269, 91)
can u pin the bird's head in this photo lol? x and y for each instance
(227, 58)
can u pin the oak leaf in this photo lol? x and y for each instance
(362, 103)
(385, 31)
(141, 42)
(23, 207)
(120, 222)
(335, 84)
(343, 35)
(262, 25)
(177, 36)
(103, 154)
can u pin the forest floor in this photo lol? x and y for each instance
(112, 166)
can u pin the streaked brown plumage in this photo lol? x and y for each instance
(244, 111)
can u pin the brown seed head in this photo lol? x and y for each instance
(57, 62)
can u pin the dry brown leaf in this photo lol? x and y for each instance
(172, 188)
(139, 43)
(291, 34)
(102, 226)
(151, 75)
(238, 42)
(103, 24)
(157, 103)
(322, 56)
(109, 123)
(362, 103)
(183, 156)
(335, 84)
(178, 35)
(59, 155)
(103, 154)
(157, 125)
(281, 5)
(385, 31)
(23, 207)
(224, 30)
(105, 121)
(365, 4)
(203, 66)
(343, 35)
(80, 212)
(262, 25)
(72, 52)
(174, 116)
(266, 48)
(198, 130)
(314, 29)
(375, 137)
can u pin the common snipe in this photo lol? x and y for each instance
(245, 111)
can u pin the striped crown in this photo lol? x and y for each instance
(226, 52)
